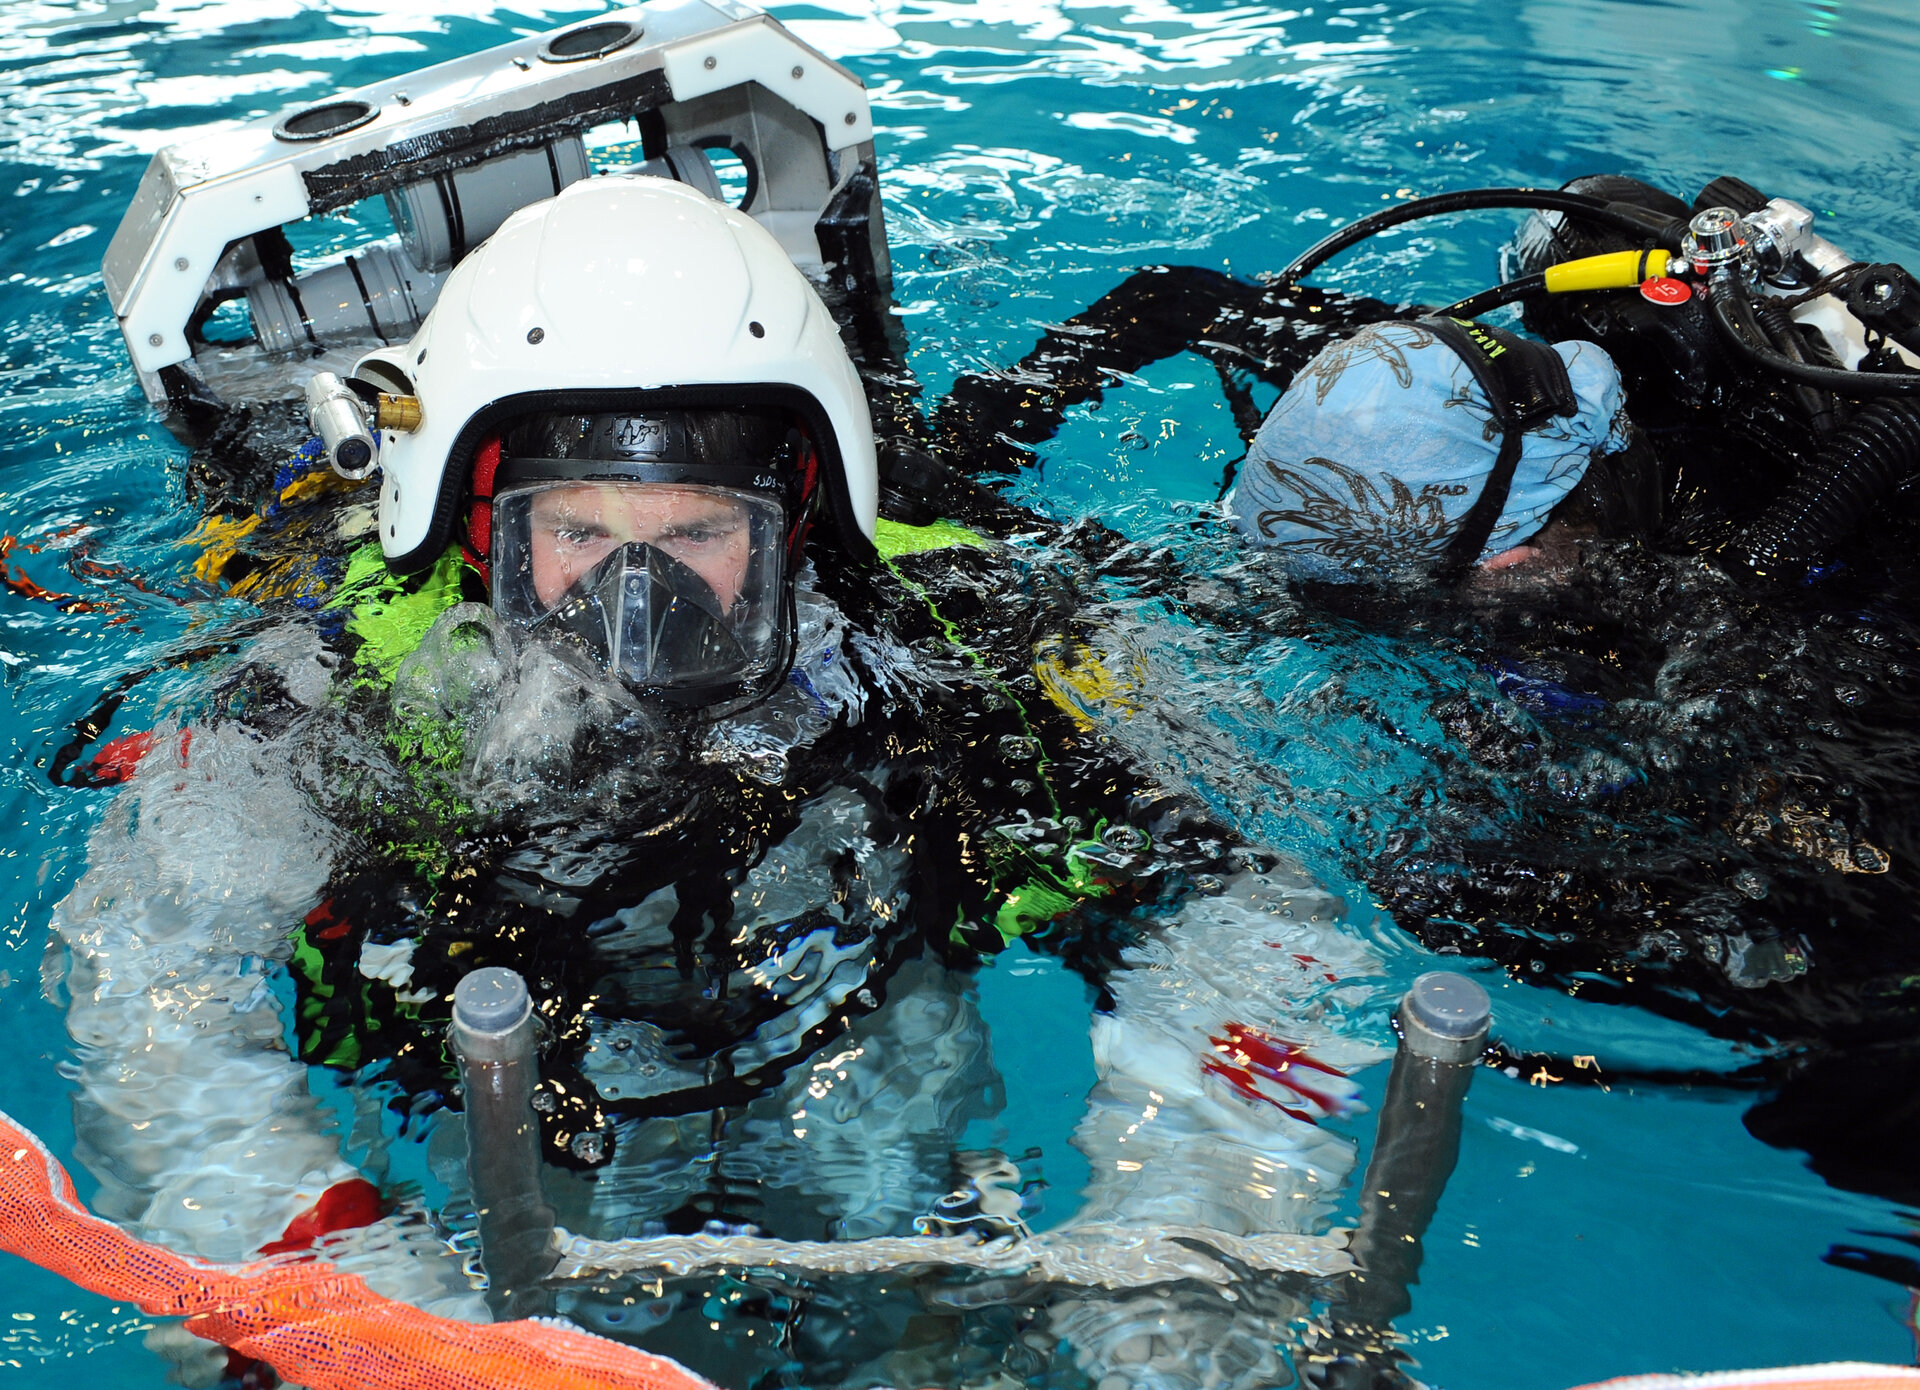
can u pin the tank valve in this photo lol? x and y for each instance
(1779, 233)
(1716, 237)
(335, 414)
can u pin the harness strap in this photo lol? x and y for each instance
(1526, 385)
(1463, 550)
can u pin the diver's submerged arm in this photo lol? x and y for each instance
(1247, 330)
(1153, 314)
(1217, 1064)
(1215, 1069)
(190, 1111)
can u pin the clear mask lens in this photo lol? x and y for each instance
(673, 587)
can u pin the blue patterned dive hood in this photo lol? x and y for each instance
(1372, 459)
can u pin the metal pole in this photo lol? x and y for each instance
(1443, 1022)
(493, 1040)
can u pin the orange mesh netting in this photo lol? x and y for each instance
(326, 1330)
(1843, 1375)
(315, 1326)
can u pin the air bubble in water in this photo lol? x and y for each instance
(1017, 748)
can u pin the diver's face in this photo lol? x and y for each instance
(575, 528)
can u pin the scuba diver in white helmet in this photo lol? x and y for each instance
(593, 446)
(630, 705)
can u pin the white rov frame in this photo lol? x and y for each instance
(706, 71)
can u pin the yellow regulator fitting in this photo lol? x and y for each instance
(401, 413)
(1617, 270)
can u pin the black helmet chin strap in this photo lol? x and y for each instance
(1527, 385)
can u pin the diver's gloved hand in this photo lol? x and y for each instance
(198, 1364)
(191, 1361)
(917, 489)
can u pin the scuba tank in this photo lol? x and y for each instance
(1782, 363)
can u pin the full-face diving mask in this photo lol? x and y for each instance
(656, 544)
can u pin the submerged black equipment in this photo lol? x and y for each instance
(1857, 468)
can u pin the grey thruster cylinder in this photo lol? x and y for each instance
(491, 1005)
(1445, 1017)
(1443, 1020)
(493, 1037)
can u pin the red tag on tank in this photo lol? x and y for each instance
(1666, 290)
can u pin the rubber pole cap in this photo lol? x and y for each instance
(493, 999)
(1446, 1016)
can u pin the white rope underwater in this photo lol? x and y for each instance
(1095, 1256)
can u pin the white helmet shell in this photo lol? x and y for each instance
(617, 284)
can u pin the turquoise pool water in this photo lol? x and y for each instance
(1032, 154)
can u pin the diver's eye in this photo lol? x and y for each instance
(696, 534)
(579, 534)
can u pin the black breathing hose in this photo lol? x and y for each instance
(1776, 323)
(1487, 300)
(1857, 468)
(1637, 221)
(1732, 311)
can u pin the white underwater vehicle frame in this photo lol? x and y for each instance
(457, 148)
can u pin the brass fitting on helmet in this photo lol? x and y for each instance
(401, 413)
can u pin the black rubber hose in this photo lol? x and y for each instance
(1776, 321)
(1857, 468)
(1626, 217)
(1729, 304)
(1488, 300)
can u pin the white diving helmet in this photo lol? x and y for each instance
(632, 406)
